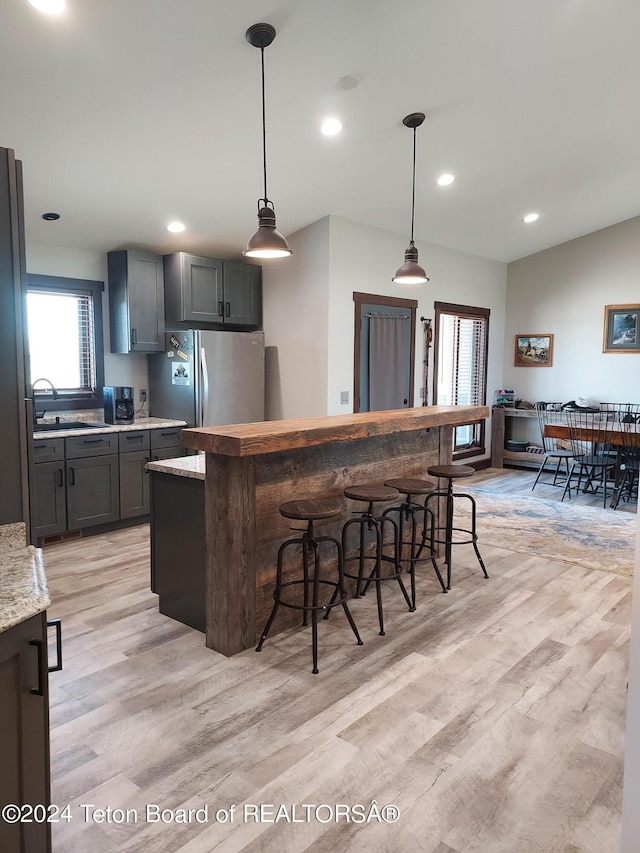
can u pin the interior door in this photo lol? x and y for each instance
(385, 353)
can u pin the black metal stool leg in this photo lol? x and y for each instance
(449, 535)
(314, 611)
(276, 593)
(343, 593)
(474, 534)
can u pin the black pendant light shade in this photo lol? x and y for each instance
(410, 272)
(267, 242)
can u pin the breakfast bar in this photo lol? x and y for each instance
(251, 469)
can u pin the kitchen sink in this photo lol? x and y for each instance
(66, 425)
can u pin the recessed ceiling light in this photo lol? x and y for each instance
(445, 180)
(176, 227)
(50, 7)
(51, 217)
(531, 217)
(331, 126)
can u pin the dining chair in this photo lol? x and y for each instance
(548, 413)
(594, 454)
(628, 470)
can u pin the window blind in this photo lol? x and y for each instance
(62, 339)
(462, 360)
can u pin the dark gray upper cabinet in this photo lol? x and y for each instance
(209, 292)
(193, 289)
(242, 294)
(136, 301)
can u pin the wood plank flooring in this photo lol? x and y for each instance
(492, 717)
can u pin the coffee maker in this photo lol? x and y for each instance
(118, 404)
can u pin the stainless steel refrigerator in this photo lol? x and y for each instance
(208, 378)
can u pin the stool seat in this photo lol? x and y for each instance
(309, 510)
(453, 472)
(371, 492)
(411, 485)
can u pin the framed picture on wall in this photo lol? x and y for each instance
(533, 351)
(621, 328)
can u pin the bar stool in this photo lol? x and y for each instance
(451, 473)
(373, 493)
(310, 511)
(408, 511)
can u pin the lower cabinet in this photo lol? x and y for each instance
(51, 504)
(92, 491)
(24, 723)
(90, 480)
(134, 484)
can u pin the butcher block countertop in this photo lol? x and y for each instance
(274, 436)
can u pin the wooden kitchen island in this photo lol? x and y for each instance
(251, 469)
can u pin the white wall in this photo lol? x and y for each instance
(309, 309)
(364, 259)
(295, 299)
(129, 369)
(563, 291)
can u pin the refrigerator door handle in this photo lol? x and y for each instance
(204, 380)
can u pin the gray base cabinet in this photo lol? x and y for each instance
(24, 723)
(207, 292)
(92, 491)
(134, 450)
(50, 515)
(99, 479)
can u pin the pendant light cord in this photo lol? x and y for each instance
(413, 187)
(264, 130)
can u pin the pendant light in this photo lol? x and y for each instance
(411, 272)
(266, 242)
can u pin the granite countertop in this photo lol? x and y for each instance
(23, 583)
(184, 466)
(139, 423)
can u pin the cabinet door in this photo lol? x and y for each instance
(134, 484)
(136, 301)
(92, 491)
(193, 289)
(48, 495)
(24, 723)
(242, 294)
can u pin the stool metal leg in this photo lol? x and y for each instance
(314, 611)
(276, 593)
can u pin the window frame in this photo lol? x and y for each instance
(471, 312)
(74, 286)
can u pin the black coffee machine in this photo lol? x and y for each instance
(118, 404)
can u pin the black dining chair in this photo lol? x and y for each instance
(594, 454)
(555, 449)
(628, 469)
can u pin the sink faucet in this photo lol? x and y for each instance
(54, 394)
(54, 390)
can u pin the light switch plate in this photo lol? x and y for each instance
(344, 397)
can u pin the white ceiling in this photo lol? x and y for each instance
(127, 114)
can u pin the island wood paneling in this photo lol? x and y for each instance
(244, 528)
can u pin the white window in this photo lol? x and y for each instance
(461, 343)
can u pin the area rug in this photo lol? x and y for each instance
(594, 538)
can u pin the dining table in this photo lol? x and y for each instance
(619, 435)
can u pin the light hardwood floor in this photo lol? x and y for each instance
(493, 717)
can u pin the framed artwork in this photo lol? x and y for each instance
(533, 351)
(621, 328)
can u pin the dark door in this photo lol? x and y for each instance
(92, 491)
(202, 290)
(48, 495)
(242, 294)
(24, 723)
(145, 282)
(384, 352)
(134, 484)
